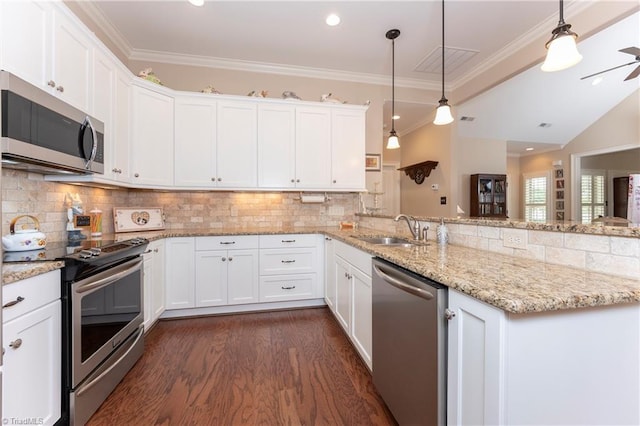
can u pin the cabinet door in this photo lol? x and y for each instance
(313, 147)
(475, 361)
(119, 150)
(31, 376)
(237, 139)
(180, 278)
(347, 149)
(211, 278)
(343, 293)
(276, 146)
(329, 274)
(195, 142)
(242, 282)
(158, 268)
(152, 142)
(147, 266)
(25, 42)
(72, 60)
(362, 319)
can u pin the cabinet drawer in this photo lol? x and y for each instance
(33, 292)
(287, 261)
(287, 240)
(287, 287)
(229, 242)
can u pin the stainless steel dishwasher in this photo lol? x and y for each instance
(409, 344)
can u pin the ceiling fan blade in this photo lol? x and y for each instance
(633, 74)
(607, 70)
(631, 51)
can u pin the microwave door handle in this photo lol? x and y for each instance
(107, 280)
(94, 139)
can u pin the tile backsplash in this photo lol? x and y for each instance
(24, 193)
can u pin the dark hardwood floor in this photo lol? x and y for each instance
(277, 368)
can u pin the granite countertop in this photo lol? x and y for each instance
(20, 271)
(514, 284)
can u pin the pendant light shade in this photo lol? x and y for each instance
(443, 112)
(393, 142)
(562, 51)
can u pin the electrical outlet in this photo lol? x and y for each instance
(515, 238)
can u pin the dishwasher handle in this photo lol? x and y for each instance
(403, 286)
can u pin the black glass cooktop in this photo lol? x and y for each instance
(80, 250)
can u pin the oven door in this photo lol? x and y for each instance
(106, 309)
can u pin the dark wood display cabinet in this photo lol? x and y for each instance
(488, 196)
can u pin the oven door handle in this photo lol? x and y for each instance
(93, 382)
(103, 282)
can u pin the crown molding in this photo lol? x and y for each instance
(271, 68)
(101, 21)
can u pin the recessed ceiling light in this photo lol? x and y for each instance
(467, 118)
(332, 20)
(528, 149)
(544, 125)
(597, 80)
(197, 2)
(395, 117)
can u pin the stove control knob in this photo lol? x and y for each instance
(85, 254)
(95, 251)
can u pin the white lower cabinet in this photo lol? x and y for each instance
(180, 273)
(573, 366)
(329, 274)
(154, 282)
(290, 267)
(226, 270)
(351, 285)
(32, 345)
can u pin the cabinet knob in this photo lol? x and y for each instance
(327, 239)
(297, 180)
(16, 344)
(213, 179)
(137, 175)
(224, 259)
(60, 89)
(51, 83)
(293, 180)
(155, 250)
(230, 258)
(334, 181)
(13, 302)
(449, 314)
(219, 179)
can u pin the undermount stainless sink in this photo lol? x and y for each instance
(387, 241)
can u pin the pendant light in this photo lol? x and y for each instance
(392, 142)
(562, 52)
(443, 112)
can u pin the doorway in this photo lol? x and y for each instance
(620, 196)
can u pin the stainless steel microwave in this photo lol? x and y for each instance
(41, 133)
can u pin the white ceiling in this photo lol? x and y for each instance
(291, 37)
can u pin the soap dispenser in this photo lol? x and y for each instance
(442, 233)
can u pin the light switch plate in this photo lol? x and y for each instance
(515, 238)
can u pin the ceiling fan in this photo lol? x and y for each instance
(631, 51)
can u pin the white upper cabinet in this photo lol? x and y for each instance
(118, 154)
(152, 138)
(26, 27)
(195, 142)
(237, 144)
(313, 147)
(276, 146)
(72, 60)
(347, 149)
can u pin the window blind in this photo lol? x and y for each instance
(535, 199)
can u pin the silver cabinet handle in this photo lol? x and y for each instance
(51, 83)
(288, 261)
(288, 288)
(13, 302)
(288, 241)
(16, 344)
(334, 181)
(136, 175)
(449, 314)
(227, 242)
(328, 239)
(60, 89)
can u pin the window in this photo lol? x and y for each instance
(592, 194)
(536, 197)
